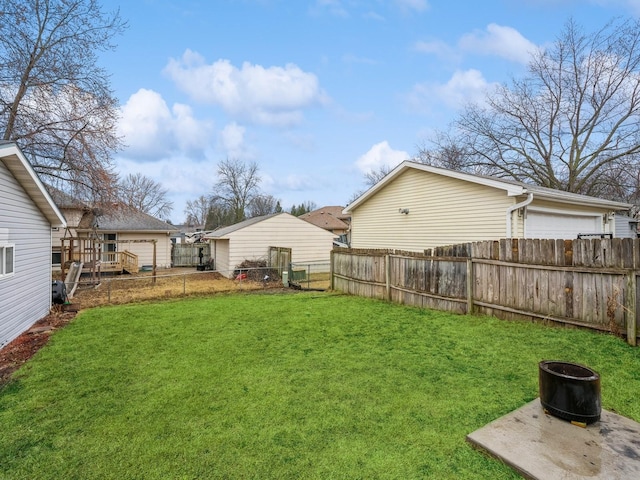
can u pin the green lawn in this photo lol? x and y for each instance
(311, 385)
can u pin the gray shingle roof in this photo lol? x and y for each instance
(122, 218)
(221, 232)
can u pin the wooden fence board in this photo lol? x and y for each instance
(578, 282)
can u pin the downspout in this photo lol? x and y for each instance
(512, 209)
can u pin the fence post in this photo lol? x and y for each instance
(469, 286)
(630, 310)
(109, 291)
(387, 275)
(331, 258)
(184, 284)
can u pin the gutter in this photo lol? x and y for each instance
(512, 209)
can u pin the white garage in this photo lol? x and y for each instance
(417, 207)
(545, 224)
(254, 238)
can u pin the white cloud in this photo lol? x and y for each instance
(182, 177)
(270, 96)
(505, 42)
(232, 141)
(333, 7)
(462, 88)
(151, 130)
(632, 5)
(417, 5)
(380, 155)
(437, 48)
(297, 182)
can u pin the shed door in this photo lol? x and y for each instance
(558, 225)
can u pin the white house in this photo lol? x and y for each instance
(123, 228)
(417, 206)
(27, 216)
(253, 239)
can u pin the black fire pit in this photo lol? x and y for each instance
(570, 391)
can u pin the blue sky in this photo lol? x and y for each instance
(315, 92)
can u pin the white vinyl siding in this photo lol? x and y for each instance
(220, 253)
(7, 259)
(442, 211)
(25, 296)
(144, 250)
(308, 243)
(625, 226)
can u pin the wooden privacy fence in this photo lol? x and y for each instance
(190, 254)
(588, 283)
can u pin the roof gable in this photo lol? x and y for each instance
(23, 172)
(510, 187)
(226, 231)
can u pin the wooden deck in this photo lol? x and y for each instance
(96, 261)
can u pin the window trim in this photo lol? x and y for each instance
(4, 247)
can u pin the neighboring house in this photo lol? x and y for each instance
(72, 209)
(27, 215)
(185, 233)
(626, 226)
(417, 206)
(253, 239)
(330, 218)
(123, 228)
(131, 230)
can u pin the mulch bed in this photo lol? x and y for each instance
(22, 348)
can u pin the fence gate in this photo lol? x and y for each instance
(188, 254)
(279, 257)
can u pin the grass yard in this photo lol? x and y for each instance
(258, 386)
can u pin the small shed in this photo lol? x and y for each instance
(27, 216)
(253, 239)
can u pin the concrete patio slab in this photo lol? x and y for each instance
(540, 446)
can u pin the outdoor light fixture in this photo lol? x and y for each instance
(403, 210)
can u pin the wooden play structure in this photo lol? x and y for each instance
(96, 256)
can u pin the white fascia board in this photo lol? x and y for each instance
(511, 189)
(575, 199)
(21, 169)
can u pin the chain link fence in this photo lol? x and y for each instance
(310, 276)
(184, 282)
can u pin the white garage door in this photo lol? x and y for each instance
(558, 225)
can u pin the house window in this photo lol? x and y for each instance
(56, 256)
(109, 248)
(7, 260)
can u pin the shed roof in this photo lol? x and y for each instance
(224, 231)
(511, 187)
(21, 169)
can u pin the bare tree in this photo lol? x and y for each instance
(572, 123)
(219, 215)
(237, 185)
(55, 101)
(145, 194)
(196, 211)
(264, 205)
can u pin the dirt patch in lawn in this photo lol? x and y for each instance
(22, 348)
